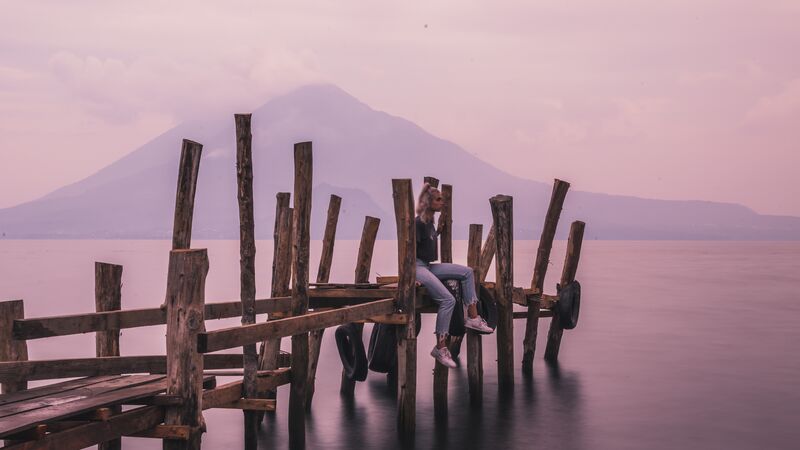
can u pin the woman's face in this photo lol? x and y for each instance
(436, 201)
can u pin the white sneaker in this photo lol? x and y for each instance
(479, 325)
(443, 356)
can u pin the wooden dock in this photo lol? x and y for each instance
(164, 396)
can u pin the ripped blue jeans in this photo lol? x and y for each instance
(431, 274)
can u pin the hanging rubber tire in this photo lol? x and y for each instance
(351, 352)
(487, 307)
(569, 305)
(383, 348)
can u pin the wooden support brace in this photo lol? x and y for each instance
(173, 432)
(251, 404)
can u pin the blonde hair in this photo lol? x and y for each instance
(424, 210)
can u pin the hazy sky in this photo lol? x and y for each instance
(672, 99)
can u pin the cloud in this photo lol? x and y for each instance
(783, 105)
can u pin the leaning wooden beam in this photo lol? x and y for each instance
(363, 265)
(303, 175)
(502, 212)
(487, 254)
(540, 269)
(12, 349)
(247, 265)
(281, 276)
(441, 372)
(567, 276)
(82, 436)
(108, 297)
(406, 335)
(474, 340)
(185, 298)
(212, 341)
(231, 392)
(323, 275)
(113, 365)
(188, 168)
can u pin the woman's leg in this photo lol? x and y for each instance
(463, 274)
(440, 295)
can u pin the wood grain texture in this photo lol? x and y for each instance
(188, 169)
(540, 270)
(502, 213)
(474, 340)
(12, 349)
(555, 333)
(487, 254)
(108, 297)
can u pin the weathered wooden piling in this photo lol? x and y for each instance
(188, 170)
(540, 270)
(247, 267)
(406, 298)
(567, 275)
(433, 181)
(363, 264)
(281, 277)
(487, 254)
(185, 319)
(108, 297)
(323, 275)
(440, 372)
(300, 265)
(475, 340)
(502, 212)
(10, 348)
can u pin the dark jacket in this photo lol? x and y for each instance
(427, 241)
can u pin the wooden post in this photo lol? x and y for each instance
(323, 274)
(369, 233)
(281, 277)
(487, 254)
(567, 276)
(247, 268)
(108, 297)
(502, 212)
(10, 348)
(406, 292)
(433, 181)
(474, 340)
(188, 169)
(440, 372)
(540, 269)
(185, 304)
(300, 245)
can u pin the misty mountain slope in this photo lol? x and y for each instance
(357, 151)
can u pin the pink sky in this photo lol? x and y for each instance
(674, 100)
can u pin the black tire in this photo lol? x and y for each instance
(351, 352)
(569, 305)
(487, 307)
(383, 348)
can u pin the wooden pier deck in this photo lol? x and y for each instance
(163, 396)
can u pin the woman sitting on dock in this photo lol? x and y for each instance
(430, 275)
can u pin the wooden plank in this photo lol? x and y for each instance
(12, 349)
(366, 247)
(212, 341)
(108, 297)
(77, 404)
(474, 340)
(113, 365)
(83, 436)
(233, 391)
(185, 300)
(50, 389)
(524, 314)
(178, 432)
(76, 393)
(539, 271)
(251, 404)
(247, 264)
(406, 303)
(188, 168)
(37, 328)
(303, 175)
(503, 216)
(572, 258)
(323, 274)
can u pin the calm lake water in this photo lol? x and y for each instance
(690, 345)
